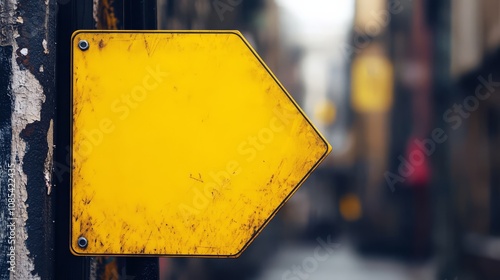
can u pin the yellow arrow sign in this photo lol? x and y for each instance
(183, 143)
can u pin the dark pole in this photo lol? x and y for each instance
(448, 246)
(140, 14)
(72, 15)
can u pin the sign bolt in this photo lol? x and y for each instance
(82, 242)
(83, 45)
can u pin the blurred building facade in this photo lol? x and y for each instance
(429, 131)
(474, 160)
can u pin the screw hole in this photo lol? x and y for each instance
(83, 45)
(82, 242)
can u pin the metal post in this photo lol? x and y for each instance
(72, 15)
(140, 14)
(448, 244)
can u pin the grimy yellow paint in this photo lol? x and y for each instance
(183, 143)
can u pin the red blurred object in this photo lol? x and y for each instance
(420, 177)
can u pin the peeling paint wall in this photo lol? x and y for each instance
(26, 138)
(28, 98)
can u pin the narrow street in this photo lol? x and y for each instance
(343, 264)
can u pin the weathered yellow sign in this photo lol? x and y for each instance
(183, 143)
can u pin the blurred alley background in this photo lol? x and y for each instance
(407, 93)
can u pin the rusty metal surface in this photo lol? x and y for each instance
(105, 15)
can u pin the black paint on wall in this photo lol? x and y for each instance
(5, 148)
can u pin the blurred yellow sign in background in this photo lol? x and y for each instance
(183, 143)
(372, 83)
(326, 112)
